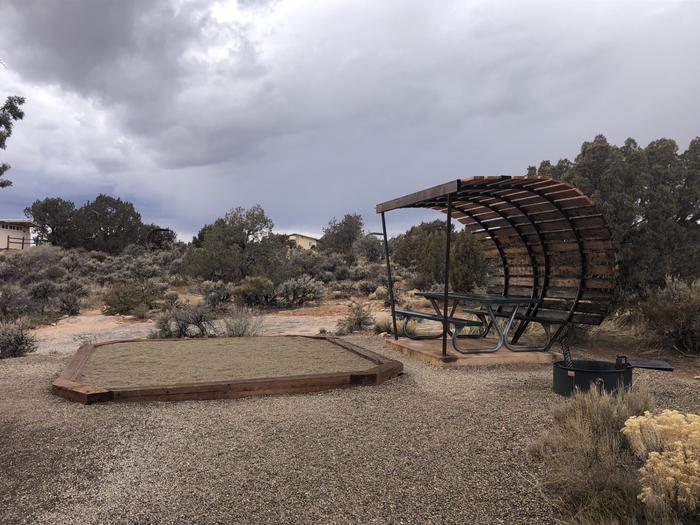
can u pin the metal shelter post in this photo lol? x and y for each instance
(448, 228)
(391, 281)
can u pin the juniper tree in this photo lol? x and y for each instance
(650, 198)
(10, 112)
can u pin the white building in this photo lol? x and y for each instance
(16, 234)
(303, 241)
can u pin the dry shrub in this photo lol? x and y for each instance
(384, 325)
(359, 318)
(671, 315)
(380, 294)
(123, 298)
(669, 443)
(216, 293)
(366, 286)
(15, 339)
(590, 472)
(141, 311)
(183, 320)
(296, 292)
(242, 321)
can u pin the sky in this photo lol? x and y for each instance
(314, 109)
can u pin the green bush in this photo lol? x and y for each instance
(254, 291)
(325, 276)
(41, 293)
(15, 340)
(359, 318)
(68, 303)
(341, 272)
(123, 298)
(14, 303)
(296, 292)
(358, 273)
(54, 273)
(369, 247)
(69, 297)
(671, 315)
(216, 293)
(366, 286)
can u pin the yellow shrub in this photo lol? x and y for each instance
(670, 444)
(671, 478)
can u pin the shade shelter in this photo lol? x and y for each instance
(546, 241)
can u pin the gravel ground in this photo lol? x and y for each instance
(433, 446)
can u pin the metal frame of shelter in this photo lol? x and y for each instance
(545, 238)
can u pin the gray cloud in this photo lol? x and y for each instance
(190, 108)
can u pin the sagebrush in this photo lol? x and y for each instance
(15, 340)
(671, 315)
(242, 321)
(359, 318)
(590, 472)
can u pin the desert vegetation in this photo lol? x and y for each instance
(610, 458)
(96, 254)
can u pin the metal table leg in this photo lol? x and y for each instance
(490, 349)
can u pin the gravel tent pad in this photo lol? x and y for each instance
(217, 368)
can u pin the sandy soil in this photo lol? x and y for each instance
(201, 360)
(92, 326)
(65, 336)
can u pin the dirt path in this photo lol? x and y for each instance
(69, 333)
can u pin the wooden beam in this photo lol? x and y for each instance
(407, 201)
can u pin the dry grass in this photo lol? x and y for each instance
(591, 473)
(383, 325)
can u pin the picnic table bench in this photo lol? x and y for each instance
(490, 309)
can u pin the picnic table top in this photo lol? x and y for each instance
(484, 299)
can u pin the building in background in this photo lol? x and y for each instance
(303, 241)
(16, 234)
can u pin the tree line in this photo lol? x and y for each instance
(107, 224)
(650, 197)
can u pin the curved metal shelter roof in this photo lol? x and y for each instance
(545, 238)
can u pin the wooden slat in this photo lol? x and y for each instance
(415, 198)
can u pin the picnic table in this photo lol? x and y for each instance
(488, 311)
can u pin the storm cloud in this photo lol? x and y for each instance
(316, 109)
